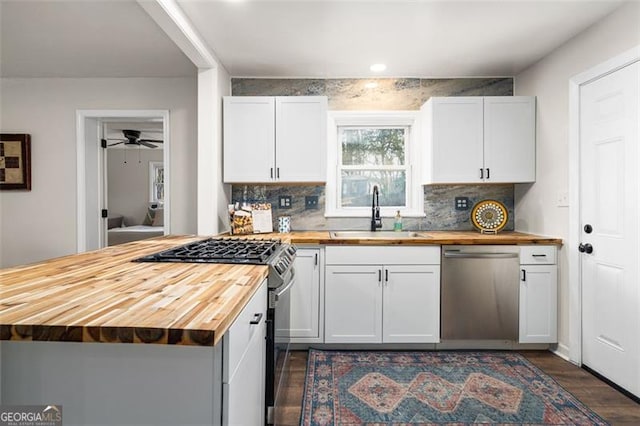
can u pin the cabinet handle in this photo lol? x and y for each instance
(386, 275)
(316, 261)
(379, 275)
(538, 255)
(481, 173)
(256, 319)
(278, 172)
(488, 175)
(271, 173)
(523, 276)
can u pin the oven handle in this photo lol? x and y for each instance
(284, 290)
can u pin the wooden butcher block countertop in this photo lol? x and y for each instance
(425, 238)
(102, 296)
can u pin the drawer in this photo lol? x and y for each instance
(538, 255)
(239, 335)
(382, 255)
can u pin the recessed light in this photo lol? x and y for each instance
(371, 85)
(378, 67)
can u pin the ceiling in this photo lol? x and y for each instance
(292, 38)
(85, 39)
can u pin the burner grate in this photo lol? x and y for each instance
(228, 250)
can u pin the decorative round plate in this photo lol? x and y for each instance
(489, 216)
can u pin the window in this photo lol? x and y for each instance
(156, 182)
(367, 150)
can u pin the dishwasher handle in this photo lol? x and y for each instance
(478, 255)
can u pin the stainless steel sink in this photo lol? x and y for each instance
(376, 234)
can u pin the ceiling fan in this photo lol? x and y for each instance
(132, 137)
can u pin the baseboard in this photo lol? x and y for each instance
(562, 351)
(445, 345)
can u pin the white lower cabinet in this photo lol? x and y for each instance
(353, 304)
(243, 381)
(368, 301)
(538, 295)
(306, 315)
(411, 304)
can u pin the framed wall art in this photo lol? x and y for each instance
(15, 161)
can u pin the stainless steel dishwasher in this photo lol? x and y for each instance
(479, 293)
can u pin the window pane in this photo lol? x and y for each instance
(373, 147)
(357, 186)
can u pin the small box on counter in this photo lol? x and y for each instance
(250, 218)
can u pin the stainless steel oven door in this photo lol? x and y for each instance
(281, 342)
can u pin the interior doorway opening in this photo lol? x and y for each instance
(123, 171)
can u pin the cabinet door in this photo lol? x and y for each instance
(244, 394)
(509, 139)
(538, 304)
(301, 141)
(353, 304)
(249, 138)
(411, 304)
(244, 364)
(456, 138)
(305, 297)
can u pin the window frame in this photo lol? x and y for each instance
(374, 119)
(153, 167)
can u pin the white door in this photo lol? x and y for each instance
(457, 139)
(609, 204)
(411, 304)
(249, 138)
(353, 304)
(509, 139)
(301, 138)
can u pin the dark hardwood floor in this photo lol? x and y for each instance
(611, 405)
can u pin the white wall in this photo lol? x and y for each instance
(41, 224)
(224, 190)
(536, 208)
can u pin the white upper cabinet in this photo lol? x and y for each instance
(479, 139)
(301, 138)
(274, 139)
(510, 139)
(249, 133)
(453, 128)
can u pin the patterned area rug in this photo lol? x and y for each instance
(423, 388)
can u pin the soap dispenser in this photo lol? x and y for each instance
(397, 224)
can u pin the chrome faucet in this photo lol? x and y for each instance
(376, 220)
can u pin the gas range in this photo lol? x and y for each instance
(272, 252)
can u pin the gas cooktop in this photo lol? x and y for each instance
(219, 250)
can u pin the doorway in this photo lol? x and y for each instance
(133, 179)
(605, 244)
(93, 212)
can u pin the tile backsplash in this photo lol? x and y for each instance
(390, 94)
(439, 207)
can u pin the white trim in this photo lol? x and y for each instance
(562, 351)
(174, 22)
(153, 166)
(575, 283)
(415, 193)
(81, 188)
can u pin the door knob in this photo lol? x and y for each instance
(585, 248)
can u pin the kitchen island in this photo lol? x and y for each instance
(73, 332)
